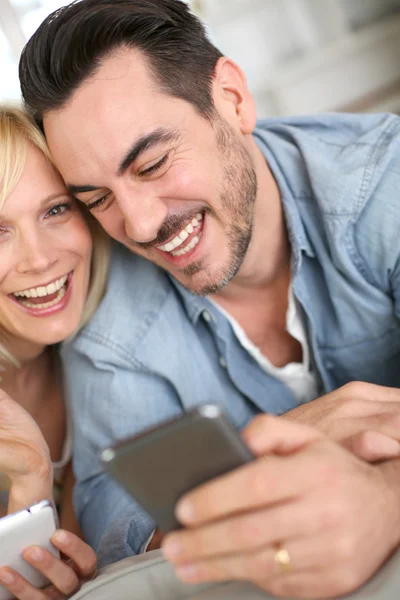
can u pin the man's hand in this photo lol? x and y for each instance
(24, 456)
(364, 417)
(336, 516)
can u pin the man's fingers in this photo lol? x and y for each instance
(266, 435)
(366, 391)
(372, 446)
(259, 484)
(246, 532)
(261, 565)
(83, 556)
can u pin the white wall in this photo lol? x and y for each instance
(299, 56)
(304, 56)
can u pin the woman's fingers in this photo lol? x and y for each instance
(23, 590)
(65, 578)
(59, 573)
(82, 555)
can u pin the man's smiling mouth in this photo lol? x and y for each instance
(186, 239)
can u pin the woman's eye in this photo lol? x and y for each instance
(57, 211)
(154, 167)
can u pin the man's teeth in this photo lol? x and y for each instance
(45, 290)
(183, 236)
(189, 247)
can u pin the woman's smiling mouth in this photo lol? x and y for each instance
(45, 299)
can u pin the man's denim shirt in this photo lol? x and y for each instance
(153, 351)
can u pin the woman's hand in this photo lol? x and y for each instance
(66, 577)
(24, 456)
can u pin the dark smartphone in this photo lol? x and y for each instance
(157, 467)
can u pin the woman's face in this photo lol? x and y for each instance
(45, 254)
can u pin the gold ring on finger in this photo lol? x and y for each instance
(282, 558)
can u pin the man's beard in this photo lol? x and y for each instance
(237, 201)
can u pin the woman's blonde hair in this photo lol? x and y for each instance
(17, 131)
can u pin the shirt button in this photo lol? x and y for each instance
(222, 362)
(206, 316)
(329, 365)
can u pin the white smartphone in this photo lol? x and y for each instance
(34, 525)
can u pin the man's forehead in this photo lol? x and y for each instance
(118, 100)
(107, 114)
(124, 76)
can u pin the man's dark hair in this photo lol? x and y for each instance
(71, 43)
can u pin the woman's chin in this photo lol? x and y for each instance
(56, 335)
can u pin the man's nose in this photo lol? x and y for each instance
(143, 216)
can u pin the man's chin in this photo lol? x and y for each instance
(197, 277)
(203, 286)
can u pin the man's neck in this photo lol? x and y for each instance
(257, 297)
(267, 260)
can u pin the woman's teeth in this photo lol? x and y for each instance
(182, 236)
(58, 298)
(45, 290)
(51, 294)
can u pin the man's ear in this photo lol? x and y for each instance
(232, 96)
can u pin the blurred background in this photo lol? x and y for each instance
(300, 56)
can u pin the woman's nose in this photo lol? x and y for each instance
(34, 257)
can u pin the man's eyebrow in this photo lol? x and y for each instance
(145, 142)
(80, 189)
(158, 136)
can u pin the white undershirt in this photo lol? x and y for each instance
(299, 377)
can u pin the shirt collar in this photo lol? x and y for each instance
(297, 234)
(194, 305)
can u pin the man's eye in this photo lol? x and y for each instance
(99, 202)
(154, 167)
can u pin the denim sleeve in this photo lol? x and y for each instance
(110, 400)
(111, 521)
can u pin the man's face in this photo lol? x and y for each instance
(162, 180)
